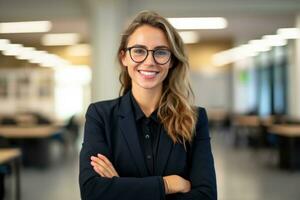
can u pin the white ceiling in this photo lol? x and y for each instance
(247, 19)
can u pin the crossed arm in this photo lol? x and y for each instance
(173, 183)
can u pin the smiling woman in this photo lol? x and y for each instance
(150, 143)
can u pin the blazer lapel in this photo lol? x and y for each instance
(165, 147)
(129, 131)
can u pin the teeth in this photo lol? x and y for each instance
(148, 73)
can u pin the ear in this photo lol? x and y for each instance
(123, 58)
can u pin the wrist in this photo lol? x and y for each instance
(166, 184)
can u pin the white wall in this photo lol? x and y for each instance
(212, 89)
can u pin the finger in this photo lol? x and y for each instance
(106, 160)
(98, 171)
(101, 169)
(94, 165)
(101, 163)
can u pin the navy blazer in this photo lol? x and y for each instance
(110, 130)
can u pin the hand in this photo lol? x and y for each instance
(103, 166)
(175, 184)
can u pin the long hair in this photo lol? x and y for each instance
(175, 109)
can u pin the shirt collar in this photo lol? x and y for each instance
(138, 113)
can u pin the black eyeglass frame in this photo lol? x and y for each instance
(147, 50)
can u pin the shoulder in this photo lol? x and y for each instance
(201, 115)
(202, 124)
(103, 109)
(106, 105)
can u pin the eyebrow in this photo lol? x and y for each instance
(157, 47)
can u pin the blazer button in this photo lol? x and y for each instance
(149, 157)
(147, 136)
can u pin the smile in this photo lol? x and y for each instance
(148, 74)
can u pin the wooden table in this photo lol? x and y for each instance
(12, 157)
(33, 140)
(246, 120)
(217, 118)
(41, 131)
(289, 144)
(286, 130)
(247, 129)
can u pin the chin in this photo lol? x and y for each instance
(149, 86)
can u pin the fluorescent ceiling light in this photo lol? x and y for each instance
(247, 50)
(79, 50)
(25, 27)
(3, 44)
(12, 49)
(189, 37)
(274, 40)
(198, 23)
(235, 54)
(289, 33)
(259, 45)
(26, 53)
(37, 56)
(47, 60)
(223, 58)
(42, 58)
(60, 39)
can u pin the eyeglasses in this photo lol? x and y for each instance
(140, 54)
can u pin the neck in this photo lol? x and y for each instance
(147, 99)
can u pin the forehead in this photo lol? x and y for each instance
(148, 36)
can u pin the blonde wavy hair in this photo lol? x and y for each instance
(175, 108)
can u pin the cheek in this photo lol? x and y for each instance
(167, 72)
(131, 68)
(129, 63)
(168, 66)
(130, 71)
(166, 69)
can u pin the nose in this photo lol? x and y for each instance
(149, 60)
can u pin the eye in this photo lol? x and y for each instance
(162, 52)
(139, 51)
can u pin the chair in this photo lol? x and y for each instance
(68, 134)
(8, 121)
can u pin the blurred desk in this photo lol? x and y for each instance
(33, 140)
(12, 157)
(286, 130)
(247, 129)
(218, 118)
(42, 131)
(246, 120)
(289, 145)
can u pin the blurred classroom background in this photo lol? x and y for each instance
(58, 56)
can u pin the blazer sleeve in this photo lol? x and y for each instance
(202, 172)
(95, 187)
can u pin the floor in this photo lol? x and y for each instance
(242, 174)
(251, 174)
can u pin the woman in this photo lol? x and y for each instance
(150, 143)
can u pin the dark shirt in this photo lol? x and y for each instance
(149, 130)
